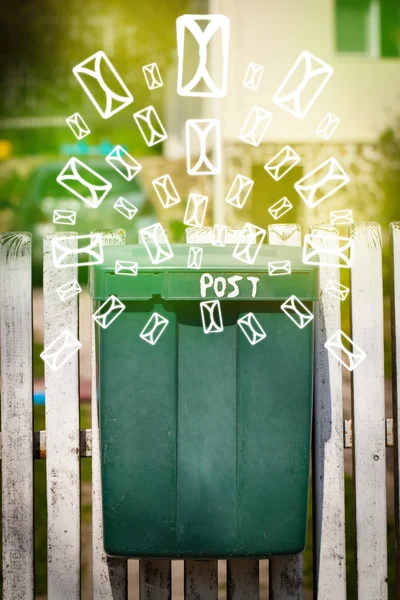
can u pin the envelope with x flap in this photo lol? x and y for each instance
(195, 257)
(280, 208)
(69, 290)
(321, 183)
(219, 235)
(156, 242)
(153, 329)
(83, 182)
(78, 126)
(126, 267)
(345, 350)
(251, 328)
(124, 163)
(249, 243)
(108, 311)
(255, 126)
(91, 248)
(239, 191)
(152, 75)
(211, 316)
(337, 290)
(64, 217)
(96, 74)
(150, 126)
(279, 267)
(166, 191)
(303, 84)
(126, 209)
(328, 251)
(204, 30)
(59, 352)
(327, 126)
(203, 147)
(253, 76)
(195, 210)
(282, 163)
(341, 217)
(297, 312)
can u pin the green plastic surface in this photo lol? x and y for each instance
(205, 439)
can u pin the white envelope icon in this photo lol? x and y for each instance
(156, 242)
(282, 162)
(219, 235)
(279, 267)
(166, 191)
(64, 217)
(303, 84)
(191, 28)
(91, 249)
(328, 250)
(297, 312)
(345, 350)
(153, 329)
(327, 126)
(69, 290)
(60, 350)
(195, 257)
(150, 126)
(211, 316)
(249, 243)
(195, 210)
(108, 311)
(98, 68)
(126, 209)
(337, 290)
(251, 328)
(253, 76)
(239, 191)
(203, 139)
(126, 267)
(321, 183)
(280, 208)
(124, 163)
(152, 75)
(255, 126)
(341, 217)
(78, 126)
(83, 182)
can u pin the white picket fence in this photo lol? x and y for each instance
(63, 444)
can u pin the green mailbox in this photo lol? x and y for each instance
(205, 438)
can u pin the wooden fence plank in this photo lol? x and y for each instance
(201, 580)
(286, 574)
(109, 573)
(369, 413)
(16, 416)
(243, 577)
(155, 579)
(328, 460)
(62, 434)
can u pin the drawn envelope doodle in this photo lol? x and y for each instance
(166, 191)
(96, 74)
(108, 311)
(303, 84)
(345, 350)
(156, 242)
(203, 146)
(154, 328)
(253, 76)
(64, 217)
(152, 75)
(90, 248)
(59, 352)
(282, 163)
(124, 163)
(251, 328)
(83, 182)
(255, 126)
(249, 243)
(69, 290)
(321, 183)
(327, 126)
(297, 312)
(126, 267)
(239, 191)
(150, 126)
(211, 316)
(219, 235)
(195, 210)
(195, 257)
(78, 126)
(204, 31)
(280, 208)
(341, 217)
(328, 250)
(279, 267)
(337, 290)
(126, 208)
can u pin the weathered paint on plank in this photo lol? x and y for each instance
(16, 416)
(243, 576)
(369, 413)
(201, 580)
(155, 579)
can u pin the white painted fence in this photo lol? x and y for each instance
(63, 443)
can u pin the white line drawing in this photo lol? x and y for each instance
(150, 126)
(211, 316)
(328, 251)
(126, 208)
(195, 257)
(195, 210)
(126, 267)
(337, 290)
(327, 126)
(345, 350)
(156, 242)
(251, 328)
(255, 126)
(152, 76)
(321, 183)
(239, 191)
(69, 290)
(341, 217)
(108, 312)
(204, 134)
(62, 254)
(91, 193)
(78, 126)
(297, 312)
(59, 352)
(282, 163)
(253, 76)
(219, 235)
(166, 191)
(280, 208)
(123, 162)
(249, 243)
(154, 328)
(64, 217)
(279, 267)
